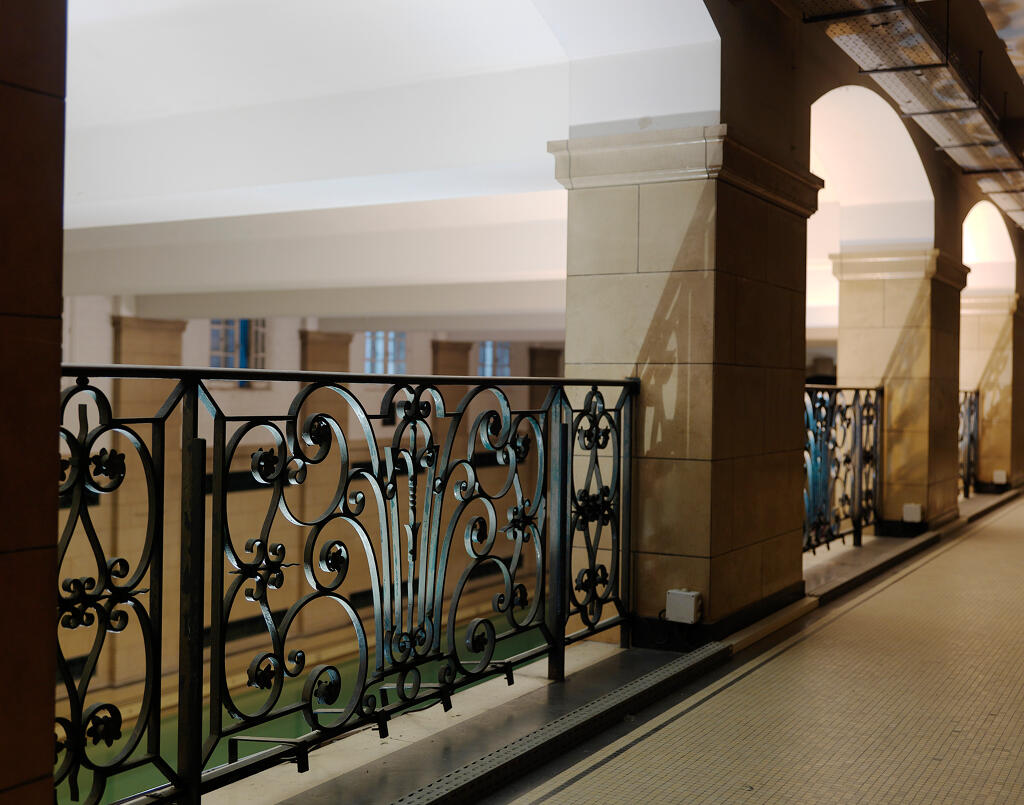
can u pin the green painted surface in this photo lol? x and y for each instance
(292, 726)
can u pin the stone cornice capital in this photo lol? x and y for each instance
(899, 264)
(985, 302)
(673, 155)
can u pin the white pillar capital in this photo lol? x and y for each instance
(899, 264)
(685, 154)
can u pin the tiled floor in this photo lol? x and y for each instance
(912, 692)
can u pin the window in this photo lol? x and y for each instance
(238, 343)
(494, 359)
(384, 352)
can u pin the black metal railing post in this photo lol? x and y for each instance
(626, 508)
(190, 640)
(879, 454)
(857, 456)
(558, 539)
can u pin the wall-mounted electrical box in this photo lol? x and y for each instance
(912, 513)
(682, 606)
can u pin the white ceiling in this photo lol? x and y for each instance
(182, 109)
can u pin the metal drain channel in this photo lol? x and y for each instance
(486, 774)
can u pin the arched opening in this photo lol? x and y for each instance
(876, 198)
(988, 251)
(869, 259)
(987, 307)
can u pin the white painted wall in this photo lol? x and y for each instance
(179, 109)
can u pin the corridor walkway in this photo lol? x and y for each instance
(911, 692)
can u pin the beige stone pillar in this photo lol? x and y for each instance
(686, 262)
(899, 317)
(324, 352)
(988, 320)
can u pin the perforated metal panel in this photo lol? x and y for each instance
(897, 40)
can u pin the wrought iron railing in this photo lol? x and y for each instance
(842, 461)
(967, 440)
(442, 545)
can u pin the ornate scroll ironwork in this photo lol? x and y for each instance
(967, 440)
(389, 565)
(842, 456)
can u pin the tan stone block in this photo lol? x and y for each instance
(798, 333)
(677, 226)
(943, 456)
(972, 366)
(739, 419)
(725, 314)
(735, 581)
(763, 320)
(648, 318)
(994, 332)
(942, 500)
(674, 414)
(907, 303)
(672, 503)
(771, 486)
(790, 242)
(945, 356)
(943, 406)
(602, 237)
(907, 404)
(969, 330)
(599, 371)
(945, 307)
(906, 457)
(782, 562)
(741, 222)
(865, 352)
(861, 303)
(723, 503)
(656, 574)
(784, 409)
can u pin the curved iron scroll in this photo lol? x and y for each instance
(842, 455)
(422, 549)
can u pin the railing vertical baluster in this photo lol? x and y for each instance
(558, 537)
(190, 637)
(857, 504)
(879, 455)
(626, 514)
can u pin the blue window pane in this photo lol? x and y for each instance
(215, 361)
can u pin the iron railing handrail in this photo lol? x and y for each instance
(842, 461)
(565, 468)
(128, 371)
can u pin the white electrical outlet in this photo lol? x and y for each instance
(999, 476)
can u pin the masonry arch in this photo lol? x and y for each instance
(873, 276)
(877, 198)
(988, 250)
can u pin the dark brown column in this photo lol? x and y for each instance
(32, 46)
